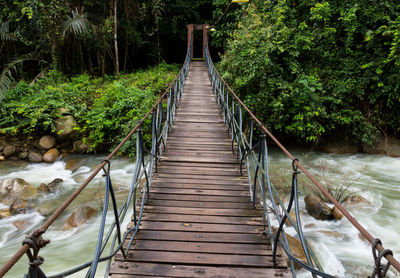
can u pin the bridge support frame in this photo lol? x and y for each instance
(195, 27)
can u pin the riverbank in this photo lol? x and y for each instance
(81, 114)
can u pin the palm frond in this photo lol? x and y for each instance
(5, 34)
(6, 75)
(77, 24)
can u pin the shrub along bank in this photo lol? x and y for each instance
(96, 115)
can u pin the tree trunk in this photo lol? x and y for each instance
(90, 62)
(158, 45)
(54, 54)
(116, 39)
(126, 55)
(81, 59)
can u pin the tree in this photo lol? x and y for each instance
(115, 2)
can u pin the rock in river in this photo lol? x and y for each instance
(52, 187)
(318, 209)
(79, 216)
(51, 155)
(13, 189)
(35, 157)
(9, 150)
(47, 142)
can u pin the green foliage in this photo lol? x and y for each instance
(105, 112)
(318, 70)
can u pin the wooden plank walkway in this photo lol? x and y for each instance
(199, 221)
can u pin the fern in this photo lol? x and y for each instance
(77, 24)
(5, 34)
(6, 75)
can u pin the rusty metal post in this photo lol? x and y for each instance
(190, 28)
(206, 29)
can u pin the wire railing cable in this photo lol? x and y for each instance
(159, 134)
(227, 104)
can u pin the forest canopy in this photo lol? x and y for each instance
(311, 70)
(317, 70)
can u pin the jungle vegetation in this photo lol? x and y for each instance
(313, 71)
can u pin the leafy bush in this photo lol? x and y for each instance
(317, 70)
(105, 112)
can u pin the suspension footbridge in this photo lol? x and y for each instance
(203, 204)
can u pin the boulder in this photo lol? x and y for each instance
(9, 150)
(331, 233)
(310, 225)
(294, 218)
(2, 158)
(80, 147)
(295, 247)
(47, 142)
(23, 155)
(42, 188)
(356, 199)
(73, 164)
(19, 206)
(336, 213)
(318, 209)
(35, 157)
(51, 155)
(54, 186)
(79, 216)
(13, 189)
(4, 213)
(46, 209)
(20, 224)
(65, 127)
(63, 111)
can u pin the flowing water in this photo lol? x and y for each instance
(342, 252)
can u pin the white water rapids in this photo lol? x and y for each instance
(342, 253)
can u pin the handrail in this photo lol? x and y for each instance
(220, 86)
(159, 135)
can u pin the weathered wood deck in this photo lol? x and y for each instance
(199, 221)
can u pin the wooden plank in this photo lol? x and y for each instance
(204, 247)
(199, 159)
(200, 171)
(192, 141)
(183, 133)
(202, 237)
(129, 270)
(176, 164)
(200, 258)
(227, 154)
(210, 212)
(211, 180)
(234, 220)
(201, 186)
(198, 204)
(194, 198)
(198, 227)
(209, 192)
(199, 119)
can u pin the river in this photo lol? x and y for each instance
(341, 251)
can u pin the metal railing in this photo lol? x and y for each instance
(256, 160)
(162, 119)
